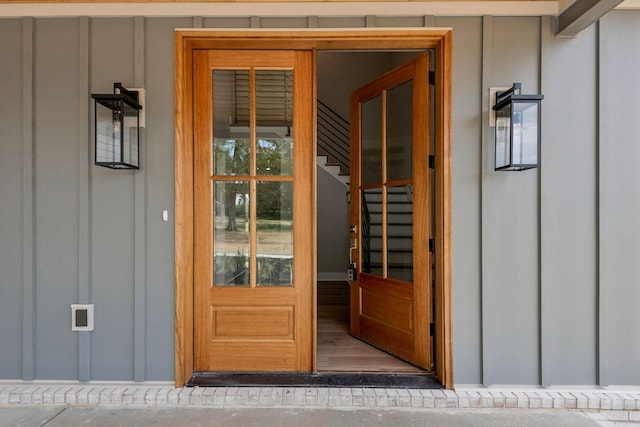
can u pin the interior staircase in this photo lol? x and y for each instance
(333, 143)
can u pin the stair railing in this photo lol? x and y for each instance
(333, 136)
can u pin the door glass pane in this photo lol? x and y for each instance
(274, 216)
(274, 113)
(230, 122)
(399, 131)
(231, 243)
(400, 233)
(274, 154)
(372, 231)
(371, 141)
(274, 97)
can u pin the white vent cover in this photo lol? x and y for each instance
(82, 317)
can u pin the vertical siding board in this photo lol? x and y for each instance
(28, 203)
(603, 231)
(619, 198)
(112, 217)
(11, 288)
(159, 167)
(510, 226)
(568, 220)
(84, 237)
(56, 163)
(466, 155)
(486, 152)
(140, 226)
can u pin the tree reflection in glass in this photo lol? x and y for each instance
(231, 156)
(274, 215)
(275, 156)
(231, 243)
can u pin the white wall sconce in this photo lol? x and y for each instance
(517, 135)
(117, 128)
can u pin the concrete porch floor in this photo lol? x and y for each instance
(143, 404)
(75, 416)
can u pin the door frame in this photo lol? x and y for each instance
(188, 40)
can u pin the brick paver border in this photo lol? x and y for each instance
(314, 397)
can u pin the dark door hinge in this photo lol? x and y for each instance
(432, 161)
(432, 78)
(432, 245)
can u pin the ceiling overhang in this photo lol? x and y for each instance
(36, 8)
(569, 21)
(581, 14)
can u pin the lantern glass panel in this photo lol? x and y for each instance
(116, 133)
(503, 136)
(108, 134)
(130, 136)
(525, 133)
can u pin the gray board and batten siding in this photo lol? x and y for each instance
(545, 270)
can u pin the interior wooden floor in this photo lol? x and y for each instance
(338, 351)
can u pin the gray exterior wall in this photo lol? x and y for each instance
(545, 271)
(333, 219)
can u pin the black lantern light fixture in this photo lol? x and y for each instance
(517, 130)
(117, 128)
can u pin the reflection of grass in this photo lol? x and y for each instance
(270, 224)
(263, 224)
(274, 237)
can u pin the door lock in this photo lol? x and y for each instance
(351, 273)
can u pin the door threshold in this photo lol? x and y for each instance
(302, 379)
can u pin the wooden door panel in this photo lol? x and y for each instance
(390, 313)
(251, 322)
(241, 357)
(393, 340)
(387, 315)
(256, 323)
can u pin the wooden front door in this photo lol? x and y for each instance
(253, 210)
(391, 212)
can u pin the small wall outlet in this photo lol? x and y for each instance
(82, 317)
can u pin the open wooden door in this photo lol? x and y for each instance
(391, 213)
(253, 210)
